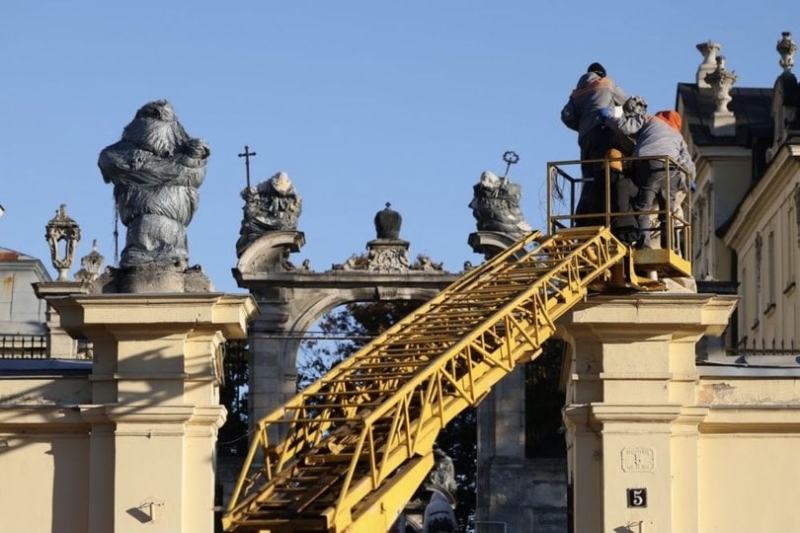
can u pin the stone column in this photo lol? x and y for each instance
(273, 349)
(155, 404)
(632, 419)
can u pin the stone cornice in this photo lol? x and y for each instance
(778, 418)
(138, 414)
(41, 418)
(676, 315)
(184, 311)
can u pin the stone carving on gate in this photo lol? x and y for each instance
(388, 253)
(272, 205)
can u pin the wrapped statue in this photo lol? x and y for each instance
(156, 170)
(273, 205)
(495, 206)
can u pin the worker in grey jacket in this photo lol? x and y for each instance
(594, 92)
(656, 136)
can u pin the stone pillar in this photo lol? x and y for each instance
(273, 349)
(632, 419)
(155, 404)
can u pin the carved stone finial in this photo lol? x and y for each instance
(786, 48)
(709, 50)
(387, 223)
(62, 228)
(90, 265)
(721, 81)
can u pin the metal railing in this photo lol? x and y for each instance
(756, 347)
(672, 226)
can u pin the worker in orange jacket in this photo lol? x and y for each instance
(595, 91)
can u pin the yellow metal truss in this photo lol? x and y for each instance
(360, 439)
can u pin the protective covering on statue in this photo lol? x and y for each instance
(156, 169)
(273, 205)
(495, 206)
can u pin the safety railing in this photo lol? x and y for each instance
(671, 228)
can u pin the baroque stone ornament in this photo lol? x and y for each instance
(273, 205)
(721, 82)
(710, 50)
(495, 206)
(62, 228)
(156, 169)
(786, 48)
(785, 96)
(387, 253)
(90, 265)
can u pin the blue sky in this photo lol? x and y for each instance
(361, 102)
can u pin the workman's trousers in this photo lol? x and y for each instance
(652, 180)
(594, 144)
(623, 194)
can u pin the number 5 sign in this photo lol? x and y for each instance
(637, 497)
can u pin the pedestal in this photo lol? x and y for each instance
(632, 419)
(155, 404)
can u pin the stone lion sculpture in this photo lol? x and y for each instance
(156, 169)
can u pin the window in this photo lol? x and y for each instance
(757, 287)
(772, 273)
(789, 250)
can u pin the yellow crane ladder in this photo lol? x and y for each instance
(360, 439)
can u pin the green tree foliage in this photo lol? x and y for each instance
(358, 323)
(232, 440)
(544, 435)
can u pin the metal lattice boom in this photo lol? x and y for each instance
(360, 439)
